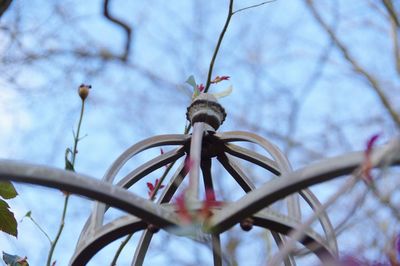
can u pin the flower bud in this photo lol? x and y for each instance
(83, 91)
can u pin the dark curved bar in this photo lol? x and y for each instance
(280, 242)
(112, 230)
(150, 166)
(330, 234)
(273, 221)
(280, 159)
(274, 151)
(308, 196)
(173, 139)
(86, 186)
(165, 197)
(252, 157)
(267, 219)
(290, 183)
(107, 234)
(236, 172)
(157, 141)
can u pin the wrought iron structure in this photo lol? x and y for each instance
(203, 145)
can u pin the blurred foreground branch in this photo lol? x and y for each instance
(4, 5)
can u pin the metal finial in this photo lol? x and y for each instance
(205, 108)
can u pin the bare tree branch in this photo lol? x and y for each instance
(356, 66)
(392, 12)
(253, 6)
(4, 5)
(395, 38)
(122, 24)
(221, 37)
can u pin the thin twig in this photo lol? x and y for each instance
(40, 228)
(122, 24)
(221, 37)
(120, 248)
(253, 6)
(356, 66)
(396, 49)
(392, 12)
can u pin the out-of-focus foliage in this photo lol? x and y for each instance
(8, 224)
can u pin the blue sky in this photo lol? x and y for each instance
(269, 52)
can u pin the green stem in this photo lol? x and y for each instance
(76, 137)
(40, 228)
(60, 229)
(64, 213)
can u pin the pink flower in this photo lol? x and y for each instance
(183, 211)
(219, 79)
(208, 203)
(205, 212)
(152, 187)
(371, 142)
(200, 87)
(367, 165)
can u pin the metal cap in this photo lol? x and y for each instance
(205, 108)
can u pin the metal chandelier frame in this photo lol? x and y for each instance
(204, 145)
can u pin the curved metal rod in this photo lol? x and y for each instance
(282, 224)
(150, 166)
(108, 233)
(162, 140)
(293, 203)
(277, 155)
(241, 178)
(267, 219)
(292, 182)
(280, 242)
(165, 197)
(236, 172)
(327, 227)
(135, 176)
(252, 157)
(83, 185)
(98, 240)
(174, 139)
(308, 196)
(283, 162)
